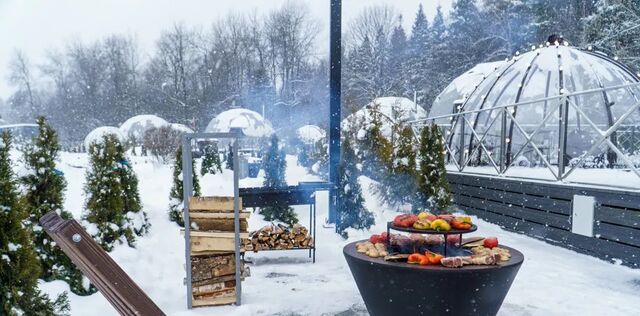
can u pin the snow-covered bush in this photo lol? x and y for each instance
(176, 193)
(161, 142)
(350, 203)
(113, 202)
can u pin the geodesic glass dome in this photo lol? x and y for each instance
(555, 112)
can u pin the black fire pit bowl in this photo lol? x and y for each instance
(398, 288)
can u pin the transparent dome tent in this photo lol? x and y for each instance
(555, 112)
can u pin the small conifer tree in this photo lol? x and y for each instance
(433, 188)
(211, 161)
(351, 210)
(176, 194)
(113, 202)
(442, 194)
(19, 265)
(398, 187)
(43, 193)
(275, 165)
(229, 158)
(376, 150)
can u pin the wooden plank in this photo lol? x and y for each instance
(533, 202)
(200, 302)
(203, 245)
(627, 235)
(523, 213)
(217, 224)
(601, 248)
(624, 217)
(116, 286)
(228, 235)
(217, 215)
(212, 203)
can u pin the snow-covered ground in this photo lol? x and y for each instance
(552, 280)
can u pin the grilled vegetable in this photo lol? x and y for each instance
(440, 225)
(422, 224)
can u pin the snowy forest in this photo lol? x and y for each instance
(270, 61)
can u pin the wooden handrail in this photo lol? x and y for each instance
(116, 286)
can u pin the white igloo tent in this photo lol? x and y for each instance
(310, 134)
(181, 128)
(250, 122)
(135, 127)
(392, 109)
(97, 134)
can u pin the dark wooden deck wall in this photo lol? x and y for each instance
(543, 211)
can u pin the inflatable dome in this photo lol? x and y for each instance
(251, 123)
(135, 127)
(310, 134)
(97, 134)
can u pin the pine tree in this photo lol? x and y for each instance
(427, 163)
(229, 158)
(19, 266)
(433, 188)
(275, 165)
(113, 202)
(375, 149)
(176, 194)
(614, 29)
(43, 193)
(397, 59)
(211, 160)
(351, 210)
(132, 204)
(442, 195)
(398, 188)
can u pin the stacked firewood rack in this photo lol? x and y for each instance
(214, 236)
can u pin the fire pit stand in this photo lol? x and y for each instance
(398, 288)
(459, 232)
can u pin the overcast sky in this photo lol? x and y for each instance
(36, 26)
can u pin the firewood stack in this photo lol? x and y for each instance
(213, 250)
(278, 237)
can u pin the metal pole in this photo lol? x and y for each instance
(236, 219)
(562, 141)
(187, 188)
(462, 145)
(503, 141)
(335, 78)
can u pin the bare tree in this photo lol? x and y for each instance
(372, 22)
(25, 102)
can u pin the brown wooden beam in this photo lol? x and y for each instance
(116, 286)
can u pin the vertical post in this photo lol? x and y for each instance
(503, 141)
(335, 78)
(187, 188)
(562, 137)
(236, 218)
(461, 157)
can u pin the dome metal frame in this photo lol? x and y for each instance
(465, 142)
